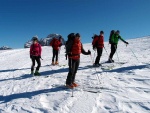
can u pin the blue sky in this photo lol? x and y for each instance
(22, 19)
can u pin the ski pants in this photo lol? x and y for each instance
(37, 59)
(99, 54)
(113, 50)
(73, 67)
(55, 54)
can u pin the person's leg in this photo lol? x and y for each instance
(99, 53)
(38, 65)
(113, 50)
(77, 62)
(53, 57)
(56, 53)
(70, 73)
(33, 64)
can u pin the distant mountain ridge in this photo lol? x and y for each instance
(45, 41)
(5, 48)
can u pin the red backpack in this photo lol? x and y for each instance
(55, 43)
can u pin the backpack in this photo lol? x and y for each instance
(69, 42)
(111, 33)
(96, 43)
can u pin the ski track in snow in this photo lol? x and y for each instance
(123, 89)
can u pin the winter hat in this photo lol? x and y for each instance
(101, 32)
(35, 38)
(77, 35)
(117, 31)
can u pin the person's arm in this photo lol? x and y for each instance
(123, 40)
(40, 50)
(84, 52)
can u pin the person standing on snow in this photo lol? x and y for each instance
(56, 44)
(114, 38)
(35, 55)
(74, 48)
(98, 44)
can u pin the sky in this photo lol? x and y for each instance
(20, 20)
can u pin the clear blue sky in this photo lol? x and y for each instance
(22, 19)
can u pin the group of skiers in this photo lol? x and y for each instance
(74, 48)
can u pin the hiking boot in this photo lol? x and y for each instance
(56, 63)
(96, 65)
(75, 84)
(110, 61)
(70, 86)
(32, 72)
(53, 63)
(37, 73)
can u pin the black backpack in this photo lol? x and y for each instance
(111, 33)
(69, 42)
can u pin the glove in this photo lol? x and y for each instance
(127, 43)
(60, 45)
(89, 52)
(31, 56)
(39, 56)
(94, 48)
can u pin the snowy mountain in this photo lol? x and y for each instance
(5, 48)
(45, 41)
(121, 87)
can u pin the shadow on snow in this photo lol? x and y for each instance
(8, 98)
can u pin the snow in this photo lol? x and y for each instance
(123, 89)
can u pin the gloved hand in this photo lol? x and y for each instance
(127, 43)
(31, 56)
(60, 45)
(39, 56)
(94, 48)
(89, 52)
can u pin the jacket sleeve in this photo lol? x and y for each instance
(31, 50)
(40, 49)
(83, 51)
(122, 39)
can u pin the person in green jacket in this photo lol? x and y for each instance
(114, 38)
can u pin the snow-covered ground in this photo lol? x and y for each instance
(123, 89)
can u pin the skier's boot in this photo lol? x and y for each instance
(75, 84)
(32, 72)
(56, 63)
(37, 73)
(70, 86)
(53, 63)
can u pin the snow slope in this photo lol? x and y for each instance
(123, 89)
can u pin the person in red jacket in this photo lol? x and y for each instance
(35, 55)
(56, 44)
(98, 43)
(73, 49)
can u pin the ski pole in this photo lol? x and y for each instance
(106, 51)
(134, 54)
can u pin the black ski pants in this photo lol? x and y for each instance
(113, 50)
(37, 59)
(55, 54)
(73, 67)
(99, 54)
